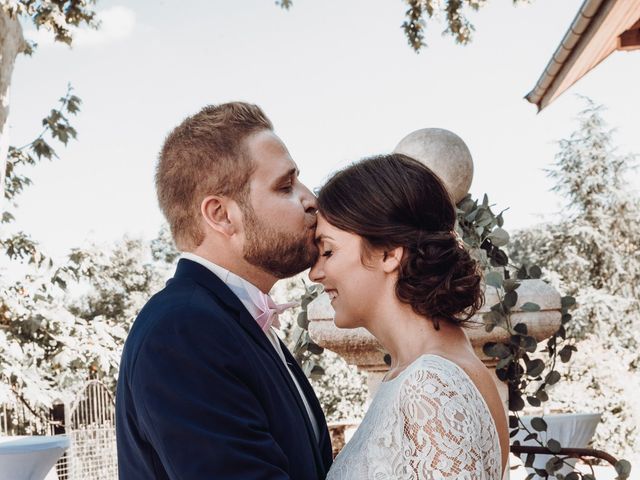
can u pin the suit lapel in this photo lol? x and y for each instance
(324, 442)
(210, 281)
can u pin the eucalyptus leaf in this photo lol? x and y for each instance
(510, 284)
(511, 298)
(553, 465)
(553, 377)
(567, 301)
(530, 307)
(493, 279)
(538, 424)
(542, 395)
(499, 237)
(535, 367)
(302, 320)
(533, 401)
(529, 461)
(516, 403)
(553, 445)
(623, 467)
(535, 272)
(521, 328)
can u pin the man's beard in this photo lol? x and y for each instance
(277, 253)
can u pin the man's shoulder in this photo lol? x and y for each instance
(182, 307)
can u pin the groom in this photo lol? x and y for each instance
(206, 388)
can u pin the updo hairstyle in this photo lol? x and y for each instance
(395, 201)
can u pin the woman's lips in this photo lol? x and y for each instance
(333, 293)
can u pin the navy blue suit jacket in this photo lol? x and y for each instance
(202, 393)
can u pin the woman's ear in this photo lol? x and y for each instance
(392, 259)
(220, 214)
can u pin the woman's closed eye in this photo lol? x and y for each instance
(327, 253)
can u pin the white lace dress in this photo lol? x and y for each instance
(428, 423)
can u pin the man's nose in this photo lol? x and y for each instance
(309, 201)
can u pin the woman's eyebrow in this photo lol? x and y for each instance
(322, 237)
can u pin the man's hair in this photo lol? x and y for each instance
(205, 155)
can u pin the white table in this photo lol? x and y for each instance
(570, 429)
(30, 458)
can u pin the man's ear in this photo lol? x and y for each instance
(392, 259)
(220, 213)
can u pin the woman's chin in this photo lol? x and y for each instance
(341, 322)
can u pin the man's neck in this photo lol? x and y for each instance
(241, 268)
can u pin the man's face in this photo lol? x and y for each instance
(280, 218)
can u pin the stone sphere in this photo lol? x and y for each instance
(445, 153)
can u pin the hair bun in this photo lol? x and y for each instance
(439, 279)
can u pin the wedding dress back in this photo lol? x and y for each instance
(428, 423)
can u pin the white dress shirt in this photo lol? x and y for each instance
(246, 292)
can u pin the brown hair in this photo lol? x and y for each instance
(395, 201)
(205, 155)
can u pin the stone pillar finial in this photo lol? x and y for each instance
(445, 153)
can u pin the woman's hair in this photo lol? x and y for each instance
(395, 201)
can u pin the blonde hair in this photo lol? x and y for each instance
(205, 155)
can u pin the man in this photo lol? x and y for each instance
(206, 388)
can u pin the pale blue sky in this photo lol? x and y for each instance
(336, 77)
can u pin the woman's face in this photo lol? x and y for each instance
(354, 288)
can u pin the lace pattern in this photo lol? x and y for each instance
(429, 423)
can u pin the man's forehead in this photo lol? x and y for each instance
(268, 152)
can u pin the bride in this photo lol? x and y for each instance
(391, 262)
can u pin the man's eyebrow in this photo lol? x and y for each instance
(291, 172)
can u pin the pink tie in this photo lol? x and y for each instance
(270, 311)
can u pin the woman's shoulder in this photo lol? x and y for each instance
(435, 375)
(436, 365)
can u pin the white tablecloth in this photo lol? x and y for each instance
(30, 458)
(570, 429)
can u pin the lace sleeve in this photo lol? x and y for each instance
(442, 427)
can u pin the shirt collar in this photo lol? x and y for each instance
(246, 292)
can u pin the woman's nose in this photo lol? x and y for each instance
(316, 273)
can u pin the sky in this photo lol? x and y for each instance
(336, 77)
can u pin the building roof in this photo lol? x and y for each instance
(599, 28)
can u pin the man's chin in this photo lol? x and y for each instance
(294, 270)
(285, 259)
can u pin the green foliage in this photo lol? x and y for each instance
(418, 11)
(56, 127)
(591, 254)
(54, 15)
(305, 350)
(20, 246)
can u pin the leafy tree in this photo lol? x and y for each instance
(44, 349)
(54, 15)
(592, 254)
(419, 11)
(53, 337)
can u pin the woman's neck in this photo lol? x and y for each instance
(405, 335)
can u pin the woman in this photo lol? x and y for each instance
(391, 262)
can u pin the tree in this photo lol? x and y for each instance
(55, 15)
(415, 23)
(52, 340)
(592, 254)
